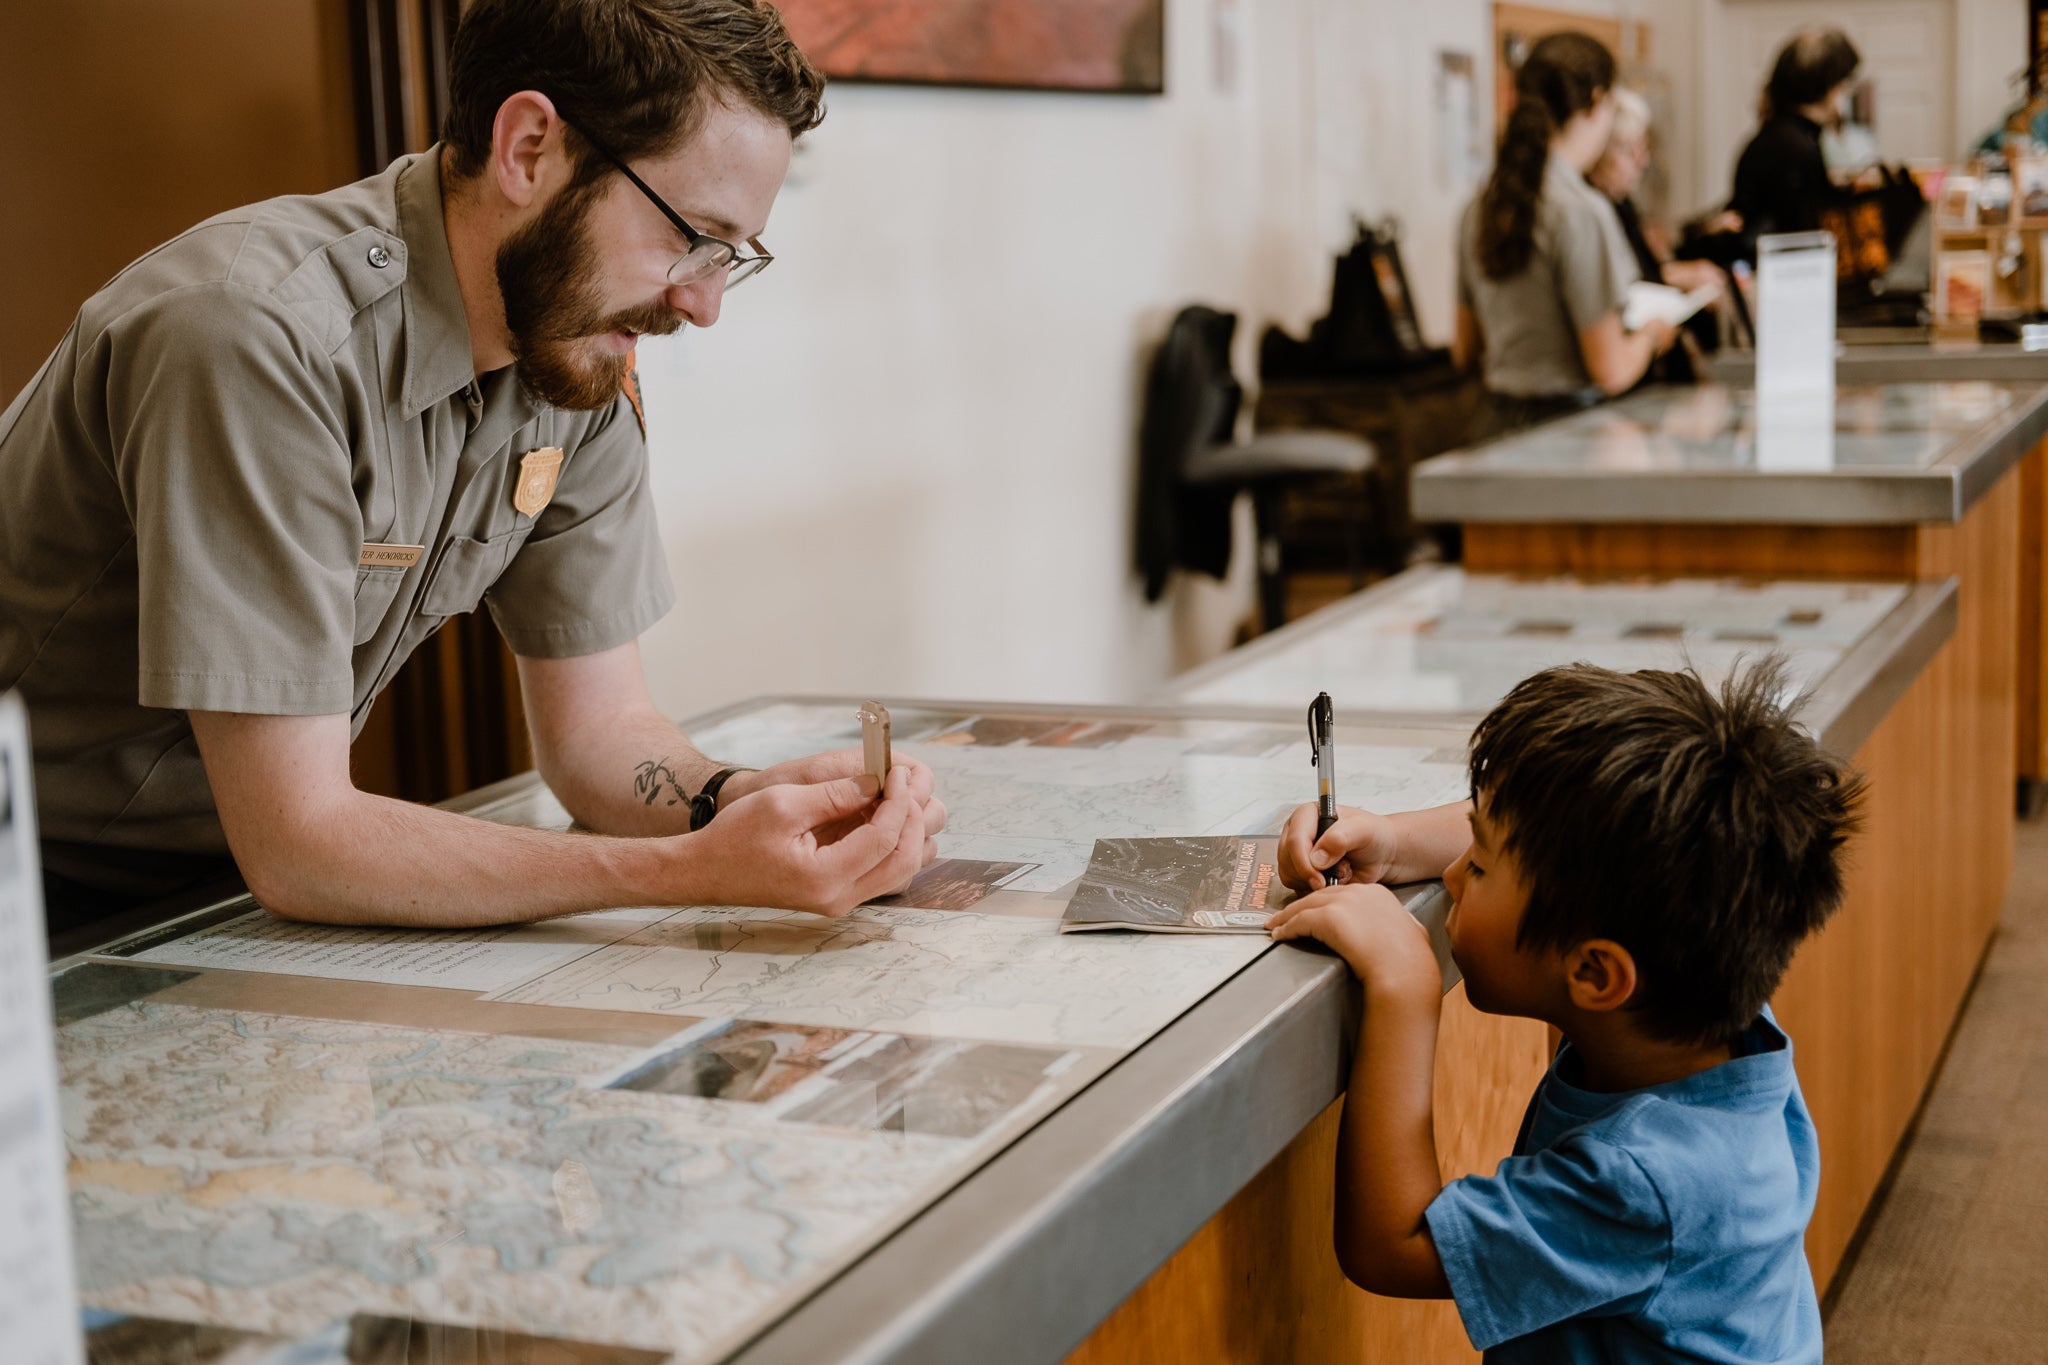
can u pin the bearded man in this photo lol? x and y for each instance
(275, 454)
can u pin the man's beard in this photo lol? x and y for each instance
(548, 279)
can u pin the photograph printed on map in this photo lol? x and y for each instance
(1215, 884)
(940, 1087)
(844, 1078)
(121, 1339)
(402, 1341)
(744, 1060)
(955, 884)
(995, 732)
(1092, 734)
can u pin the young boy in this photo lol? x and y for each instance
(1640, 860)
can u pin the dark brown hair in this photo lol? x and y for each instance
(1813, 63)
(1562, 75)
(1702, 833)
(634, 75)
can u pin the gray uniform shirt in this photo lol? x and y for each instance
(1579, 272)
(193, 476)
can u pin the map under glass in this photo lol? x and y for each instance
(1442, 641)
(639, 1134)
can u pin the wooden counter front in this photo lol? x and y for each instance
(1259, 1283)
(1870, 1003)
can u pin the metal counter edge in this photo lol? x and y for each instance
(1456, 487)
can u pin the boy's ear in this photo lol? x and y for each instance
(1600, 974)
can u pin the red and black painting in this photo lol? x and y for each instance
(1112, 45)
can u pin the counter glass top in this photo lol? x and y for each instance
(1439, 640)
(1897, 426)
(646, 1131)
(1878, 453)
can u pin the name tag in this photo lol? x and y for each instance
(390, 556)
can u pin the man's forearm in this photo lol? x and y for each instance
(372, 860)
(633, 779)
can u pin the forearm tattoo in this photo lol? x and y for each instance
(654, 780)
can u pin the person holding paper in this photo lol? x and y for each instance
(1543, 268)
(273, 455)
(1616, 175)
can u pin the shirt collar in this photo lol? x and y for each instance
(1562, 171)
(438, 360)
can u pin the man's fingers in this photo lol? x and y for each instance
(818, 804)
(935, 815)
(902, 862)
(922, 782)
(861, 850)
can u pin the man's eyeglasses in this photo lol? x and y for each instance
(706, 253)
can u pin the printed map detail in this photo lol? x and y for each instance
(321, 1169)
(658, 1128)
(1456, 643)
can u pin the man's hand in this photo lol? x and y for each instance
(920, 784)
(824, 847)
(1375, 935)
(1360, 847)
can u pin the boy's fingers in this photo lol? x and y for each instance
(1296, 838)
(1339, 839)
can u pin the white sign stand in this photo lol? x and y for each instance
(1795, 351)
(39, 1322)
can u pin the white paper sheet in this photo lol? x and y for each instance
(39, 1322)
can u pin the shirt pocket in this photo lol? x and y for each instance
(376, 590)
(467, 569)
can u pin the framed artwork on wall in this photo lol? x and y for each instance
(1091, 45)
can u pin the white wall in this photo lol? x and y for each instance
(904, 462)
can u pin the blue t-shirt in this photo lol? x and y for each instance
(1664, 1224)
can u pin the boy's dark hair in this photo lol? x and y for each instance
(1814, 62)
(634, 75)
(1701, 833)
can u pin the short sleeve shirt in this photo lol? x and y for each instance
(1579, 271)
(201, 476)
(1657, 1225)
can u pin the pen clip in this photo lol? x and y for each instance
(1318, 726)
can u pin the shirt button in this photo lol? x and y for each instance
(379, 257)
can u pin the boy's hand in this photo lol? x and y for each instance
(1360, 847)
(1374, 933)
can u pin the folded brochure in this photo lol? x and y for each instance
(1222, 884)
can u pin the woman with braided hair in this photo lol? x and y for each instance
(1543, 267)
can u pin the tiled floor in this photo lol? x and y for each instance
(1955, 1267)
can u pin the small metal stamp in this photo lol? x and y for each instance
(874, 739)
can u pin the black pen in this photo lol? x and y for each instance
(1322, 720)
(1322, 751)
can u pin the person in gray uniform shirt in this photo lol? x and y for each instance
(1543, 268)
(273, 455)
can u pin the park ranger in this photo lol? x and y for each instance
(275, 454)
